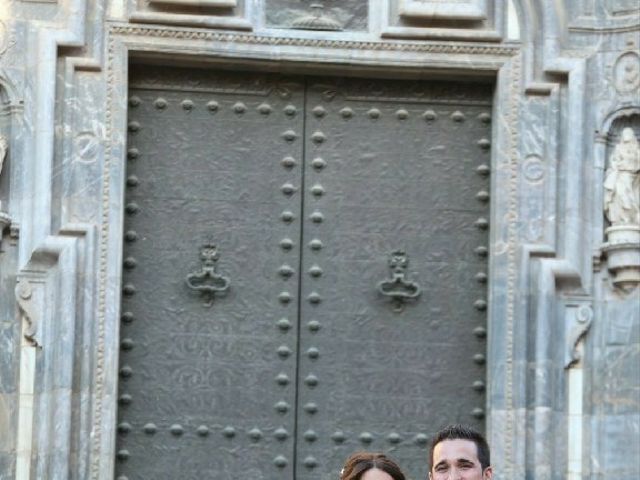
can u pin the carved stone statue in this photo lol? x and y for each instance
(622, 182)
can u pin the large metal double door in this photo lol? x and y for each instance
(304, 272)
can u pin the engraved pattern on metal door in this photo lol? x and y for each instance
(207, 383)
(391, 165)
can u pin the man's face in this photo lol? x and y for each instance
(457, 460)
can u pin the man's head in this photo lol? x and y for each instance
(461, 453)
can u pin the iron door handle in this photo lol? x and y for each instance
(398, 288)
(207, 281)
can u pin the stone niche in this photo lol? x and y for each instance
(622, 202)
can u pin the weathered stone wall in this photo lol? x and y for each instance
(564, 315)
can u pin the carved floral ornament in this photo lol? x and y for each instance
(622, 209)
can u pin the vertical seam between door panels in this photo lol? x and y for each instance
(303, 162)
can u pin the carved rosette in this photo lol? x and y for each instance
(622, 209)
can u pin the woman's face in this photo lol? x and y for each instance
(375, 474)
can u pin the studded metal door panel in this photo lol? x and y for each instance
(391, 166)
(207, 387)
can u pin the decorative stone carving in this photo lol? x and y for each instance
(622, 209)
(577, 329)
(24, 297)
(5, 219)
(316, 21)
(627, 73)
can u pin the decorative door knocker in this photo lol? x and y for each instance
(398, 288)
(207, 281)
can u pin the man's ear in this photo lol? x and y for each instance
(487, 474)
(430, 476)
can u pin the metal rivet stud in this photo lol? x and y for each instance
(239, 108)
(318, 163)
(133, 153)
(310, 436)
(483, 170)
(264, 108)
(311, 408)
(150, 428)
(484, 117)
(374, 114)
(315, 271)
(284, 324)
(402, 114)
(202, 431)
(482, 223)
(478, 386)
(346, 112)
(317, 190)
(133, 181)
(315, 244)
(123, 455)
(394, 438)
(124, 427)
(429, 115)
(288, 162)
(316, 217)
(134, 127)
(187, 105)
(311, 381)
(457, 116)
(280, 461)
(314, 298)
(288, 189)
(135, 101)
(479, 359)
(310, 462)
(127, 317)
(131, 236)
(478, 413)
(283, 351)
(319, 112)
(284, 297)
(480, 305)
(281, 407)
(286, 271)
(313, 325)
(281, 434)
(480, 332)
(125, 399)
(129, 289)
(213, 106)
(126, 344)
(176, 429)
(313, 353)
(132, 208)
(286, 244)
(229, 431)
(160, 103)
(122, 477)
(338, 436)
(290, 110)
(482, 196)
(287, 216)
(289, 135)
(484, 143)
(481, 251)
(318, 137)
(421, 439)
(366, 437)
(255, 434)
(130, 263)
(282, 379)
(481, 277)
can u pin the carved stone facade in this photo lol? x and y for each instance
(563, 310)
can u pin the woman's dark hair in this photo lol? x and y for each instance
(359, 463)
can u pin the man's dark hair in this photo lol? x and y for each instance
(462, 432)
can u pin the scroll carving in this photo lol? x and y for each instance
(579, 327)
(622, 209)
(24, 297)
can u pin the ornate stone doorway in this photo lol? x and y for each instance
(305, 271)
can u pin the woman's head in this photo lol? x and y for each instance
(358, 464)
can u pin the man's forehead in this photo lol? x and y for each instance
(454, 450)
